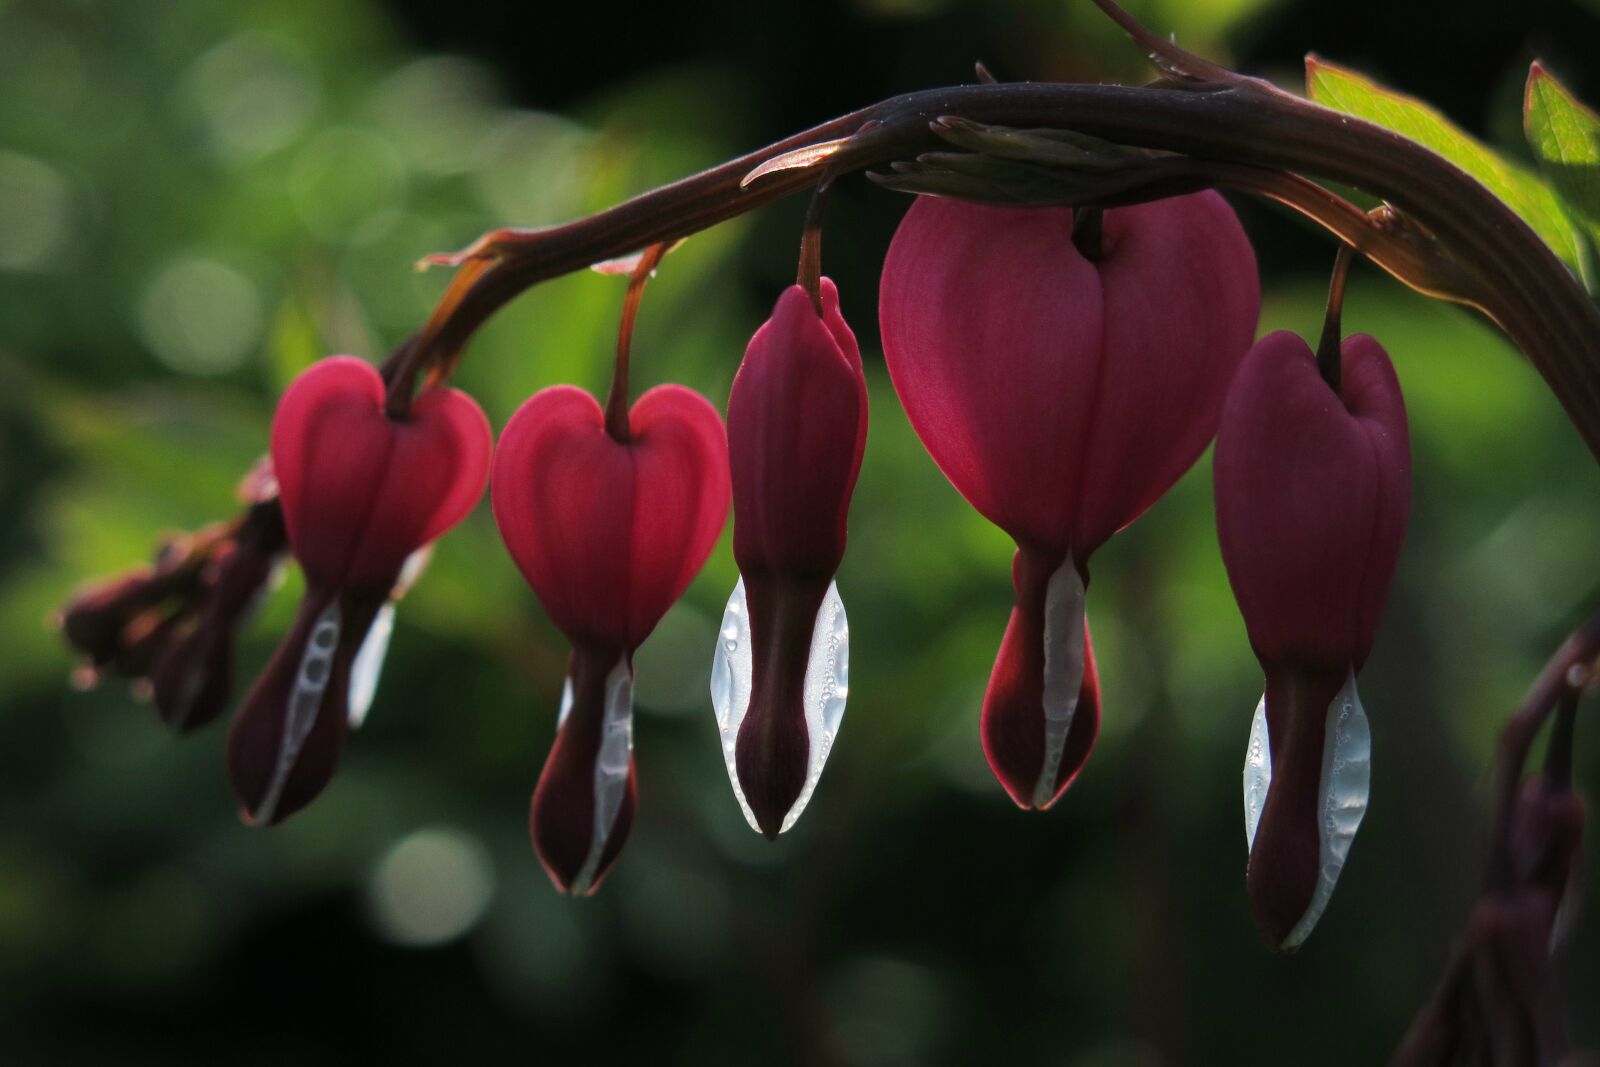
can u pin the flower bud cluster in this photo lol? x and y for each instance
(171, 625)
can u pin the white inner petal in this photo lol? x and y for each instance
(368, 665)
(1344, 789)
(1063, 671)
(411, 570)
(610, 765)
(305, 700)
(566, 703)
(826, 687)
(1257, 773)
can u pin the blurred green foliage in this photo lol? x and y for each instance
(198, 199)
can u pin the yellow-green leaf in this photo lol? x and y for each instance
(1521, 189)
(1565, 136)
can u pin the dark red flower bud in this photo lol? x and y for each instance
(1313, 489)
(608, 533)
(123, 624)
(360, 493)
(1547, 842)
(1062, 394)
(797, 427)
(94, 620)
(192, 676)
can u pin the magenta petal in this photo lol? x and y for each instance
(1016, 729)
(797, 427)
(1182, 298)
(362, 491)
(681, 462)
(1061, 396)
(608, 533)
(991, 325)
(1312, 498)
(582, 807)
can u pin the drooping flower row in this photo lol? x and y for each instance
(1062, 368)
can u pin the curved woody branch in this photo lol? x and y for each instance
(1237, 125)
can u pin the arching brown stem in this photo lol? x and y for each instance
(1517, 280)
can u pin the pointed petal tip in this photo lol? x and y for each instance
(1041, 711)
(770, 796)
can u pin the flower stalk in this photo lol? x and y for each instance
(1456, 229)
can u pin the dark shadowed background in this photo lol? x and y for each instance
(198, 198)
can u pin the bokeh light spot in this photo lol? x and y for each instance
(253, 95)
(430, 888)
(348, 184)
(35, 212)
(437, 110)
(200, 316)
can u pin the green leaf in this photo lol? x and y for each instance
(1521, 189)
(1565, 136)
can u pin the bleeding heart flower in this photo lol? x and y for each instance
(1062, 394)
(1313, 489)
(360, 493)
(797, 426)
(608, 533)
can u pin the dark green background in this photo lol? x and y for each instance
(198, 198)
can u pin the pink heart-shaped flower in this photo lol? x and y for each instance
(1313, 493)
(1062, 393)
(362, 491)
(609, 533)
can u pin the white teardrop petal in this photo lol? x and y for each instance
(1346, 784)
(411, 570)
(826, 688)
(305, 700)
(566, 703)
(1344, 789)
(732, 667)
(368, 665)
(1063, 671)
(610, 767)
(1257, 773)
